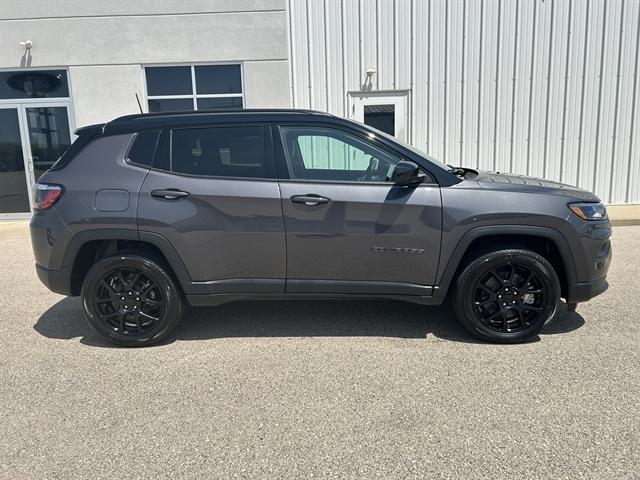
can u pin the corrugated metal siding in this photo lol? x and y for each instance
(540, 87)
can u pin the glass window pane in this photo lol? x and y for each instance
(170, 105)
(218, 79)
(143, 148)
(70, 153)
(49, 136)
(381, 117)
(168, 80)
(14, 197)
(320, 153)
(34, 84)
(219, 151)
(228, 103)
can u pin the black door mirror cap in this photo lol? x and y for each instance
(407, 173)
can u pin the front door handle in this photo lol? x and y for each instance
(169, 193)
(310, 199)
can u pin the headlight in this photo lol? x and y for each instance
(589, 211)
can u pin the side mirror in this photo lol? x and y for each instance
(406, 173)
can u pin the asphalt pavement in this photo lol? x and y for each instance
(332, 389)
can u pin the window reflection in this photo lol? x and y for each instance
(49, 136)
(189, 87)
(14, 197)
(34, 84)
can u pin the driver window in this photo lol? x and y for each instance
(331, 154)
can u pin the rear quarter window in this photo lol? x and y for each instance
(143, 148)
(74, 149)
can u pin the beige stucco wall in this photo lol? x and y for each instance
(101, 93)
(104, 45)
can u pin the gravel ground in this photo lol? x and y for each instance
(318, 389)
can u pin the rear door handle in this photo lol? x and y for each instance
(310, 199)
(169, 194)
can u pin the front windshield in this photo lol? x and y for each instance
(409, 147)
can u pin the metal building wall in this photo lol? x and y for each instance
(541, 87)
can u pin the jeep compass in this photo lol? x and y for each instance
(150, 212)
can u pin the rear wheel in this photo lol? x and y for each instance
(131, 300)
(507, 296)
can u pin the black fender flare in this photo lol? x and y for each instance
(172, 257)
(465, 241)
(66, 258)
(166, 248)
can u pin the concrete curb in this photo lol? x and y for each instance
(621, 215)
(625, 223)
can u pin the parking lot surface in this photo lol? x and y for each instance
(334, 389)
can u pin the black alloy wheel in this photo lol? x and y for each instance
(131, 300)
(507, 296)
(128, 301)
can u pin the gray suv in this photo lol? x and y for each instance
(147, 213)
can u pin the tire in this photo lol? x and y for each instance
(131, 300)
(507, 296)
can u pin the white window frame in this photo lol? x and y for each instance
(400, 99)
(194, 96)
(40, 99)
(21, 105)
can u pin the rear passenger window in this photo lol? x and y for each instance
(143, 148)
(233, 151)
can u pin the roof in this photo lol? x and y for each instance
(144, 121)
(156, 121)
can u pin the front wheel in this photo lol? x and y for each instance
(507, 296)
(131, 300)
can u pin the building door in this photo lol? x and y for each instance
(32, 138)
(386, 111)
(35, 129)
(14, 191)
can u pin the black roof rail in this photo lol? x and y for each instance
(135, 116)
(154, 121)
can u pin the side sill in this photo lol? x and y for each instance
(234, 285)
(221, 298)
(356, 287)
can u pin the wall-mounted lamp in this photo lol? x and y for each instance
(27, 44)
(368, 81)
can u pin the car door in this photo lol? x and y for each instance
(349, 228)
(213, 195)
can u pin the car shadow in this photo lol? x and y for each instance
(300, 318)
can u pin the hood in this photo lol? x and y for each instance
(522, 183)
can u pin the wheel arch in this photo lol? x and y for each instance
(545, 241)
(88, 246)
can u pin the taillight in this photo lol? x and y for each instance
(45, 195)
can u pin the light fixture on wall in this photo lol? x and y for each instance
(368, 81)
(25, 60)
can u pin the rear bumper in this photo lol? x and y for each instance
(58, 281)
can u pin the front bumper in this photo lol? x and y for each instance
(58, 281)
(597, 247)
(581, 292)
